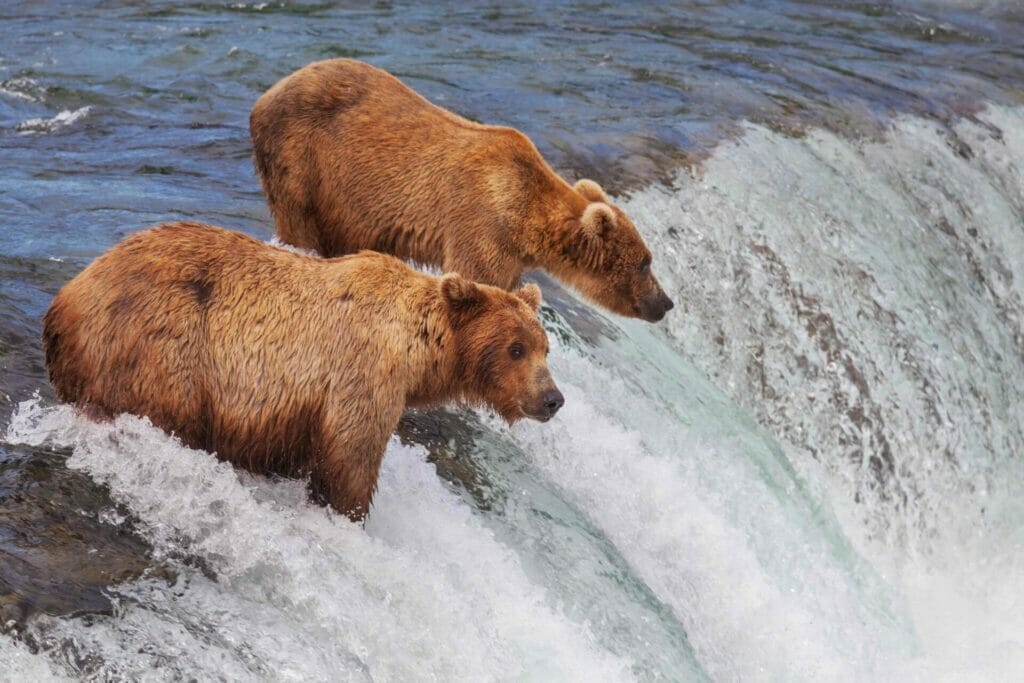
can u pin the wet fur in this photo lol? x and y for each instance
(350, 158)
(283, 363)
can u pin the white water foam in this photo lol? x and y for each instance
(761, 595)
(424, 592)
(22, 88)
(860, 298)
(18, 664)
(278, 244)
(864, 299)
(61, 120)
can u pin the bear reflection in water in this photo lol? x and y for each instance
(284, 363)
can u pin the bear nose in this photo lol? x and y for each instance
(656, 306)
(552, 400)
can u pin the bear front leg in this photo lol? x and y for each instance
(344, 475)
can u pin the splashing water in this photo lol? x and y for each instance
(860, 298)
(64, 118)
(828, 286)
(286, 567)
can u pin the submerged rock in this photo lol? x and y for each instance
(63, 541)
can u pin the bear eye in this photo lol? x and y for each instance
(516, 351)
(645, 265)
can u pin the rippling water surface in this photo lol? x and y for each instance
(812, 470)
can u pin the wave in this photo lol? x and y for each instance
(61, 120)
(22, 88)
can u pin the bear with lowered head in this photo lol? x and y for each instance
(350, 158)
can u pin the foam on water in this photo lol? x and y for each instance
(860, 298)
(863, 299)
(424, 592)
(61, 120)
(22, 88)
(18, 664)
(716, 524)
(275, 242)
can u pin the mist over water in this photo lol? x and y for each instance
(811, 470)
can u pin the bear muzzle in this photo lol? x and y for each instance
(654, 308)
(547, 403)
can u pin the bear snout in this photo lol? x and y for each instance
(552, 400)
(655, 307)
(544, 405)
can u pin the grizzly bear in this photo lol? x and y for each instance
(284, 363)
(350, 158)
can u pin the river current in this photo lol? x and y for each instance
(813, 469)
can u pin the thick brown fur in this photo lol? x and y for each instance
(285, 363)
(350, 158)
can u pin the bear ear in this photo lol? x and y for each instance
(590, 190)
(460, 294)
(597, 221)
(530, 294)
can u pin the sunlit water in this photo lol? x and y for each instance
(812, 470)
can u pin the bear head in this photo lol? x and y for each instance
(501, 349)
(612, 263)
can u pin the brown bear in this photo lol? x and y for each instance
(350, 158)
(285, 363)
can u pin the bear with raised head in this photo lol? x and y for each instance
(350, 158)
(285, 363)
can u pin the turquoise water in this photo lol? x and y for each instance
(811, 470)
